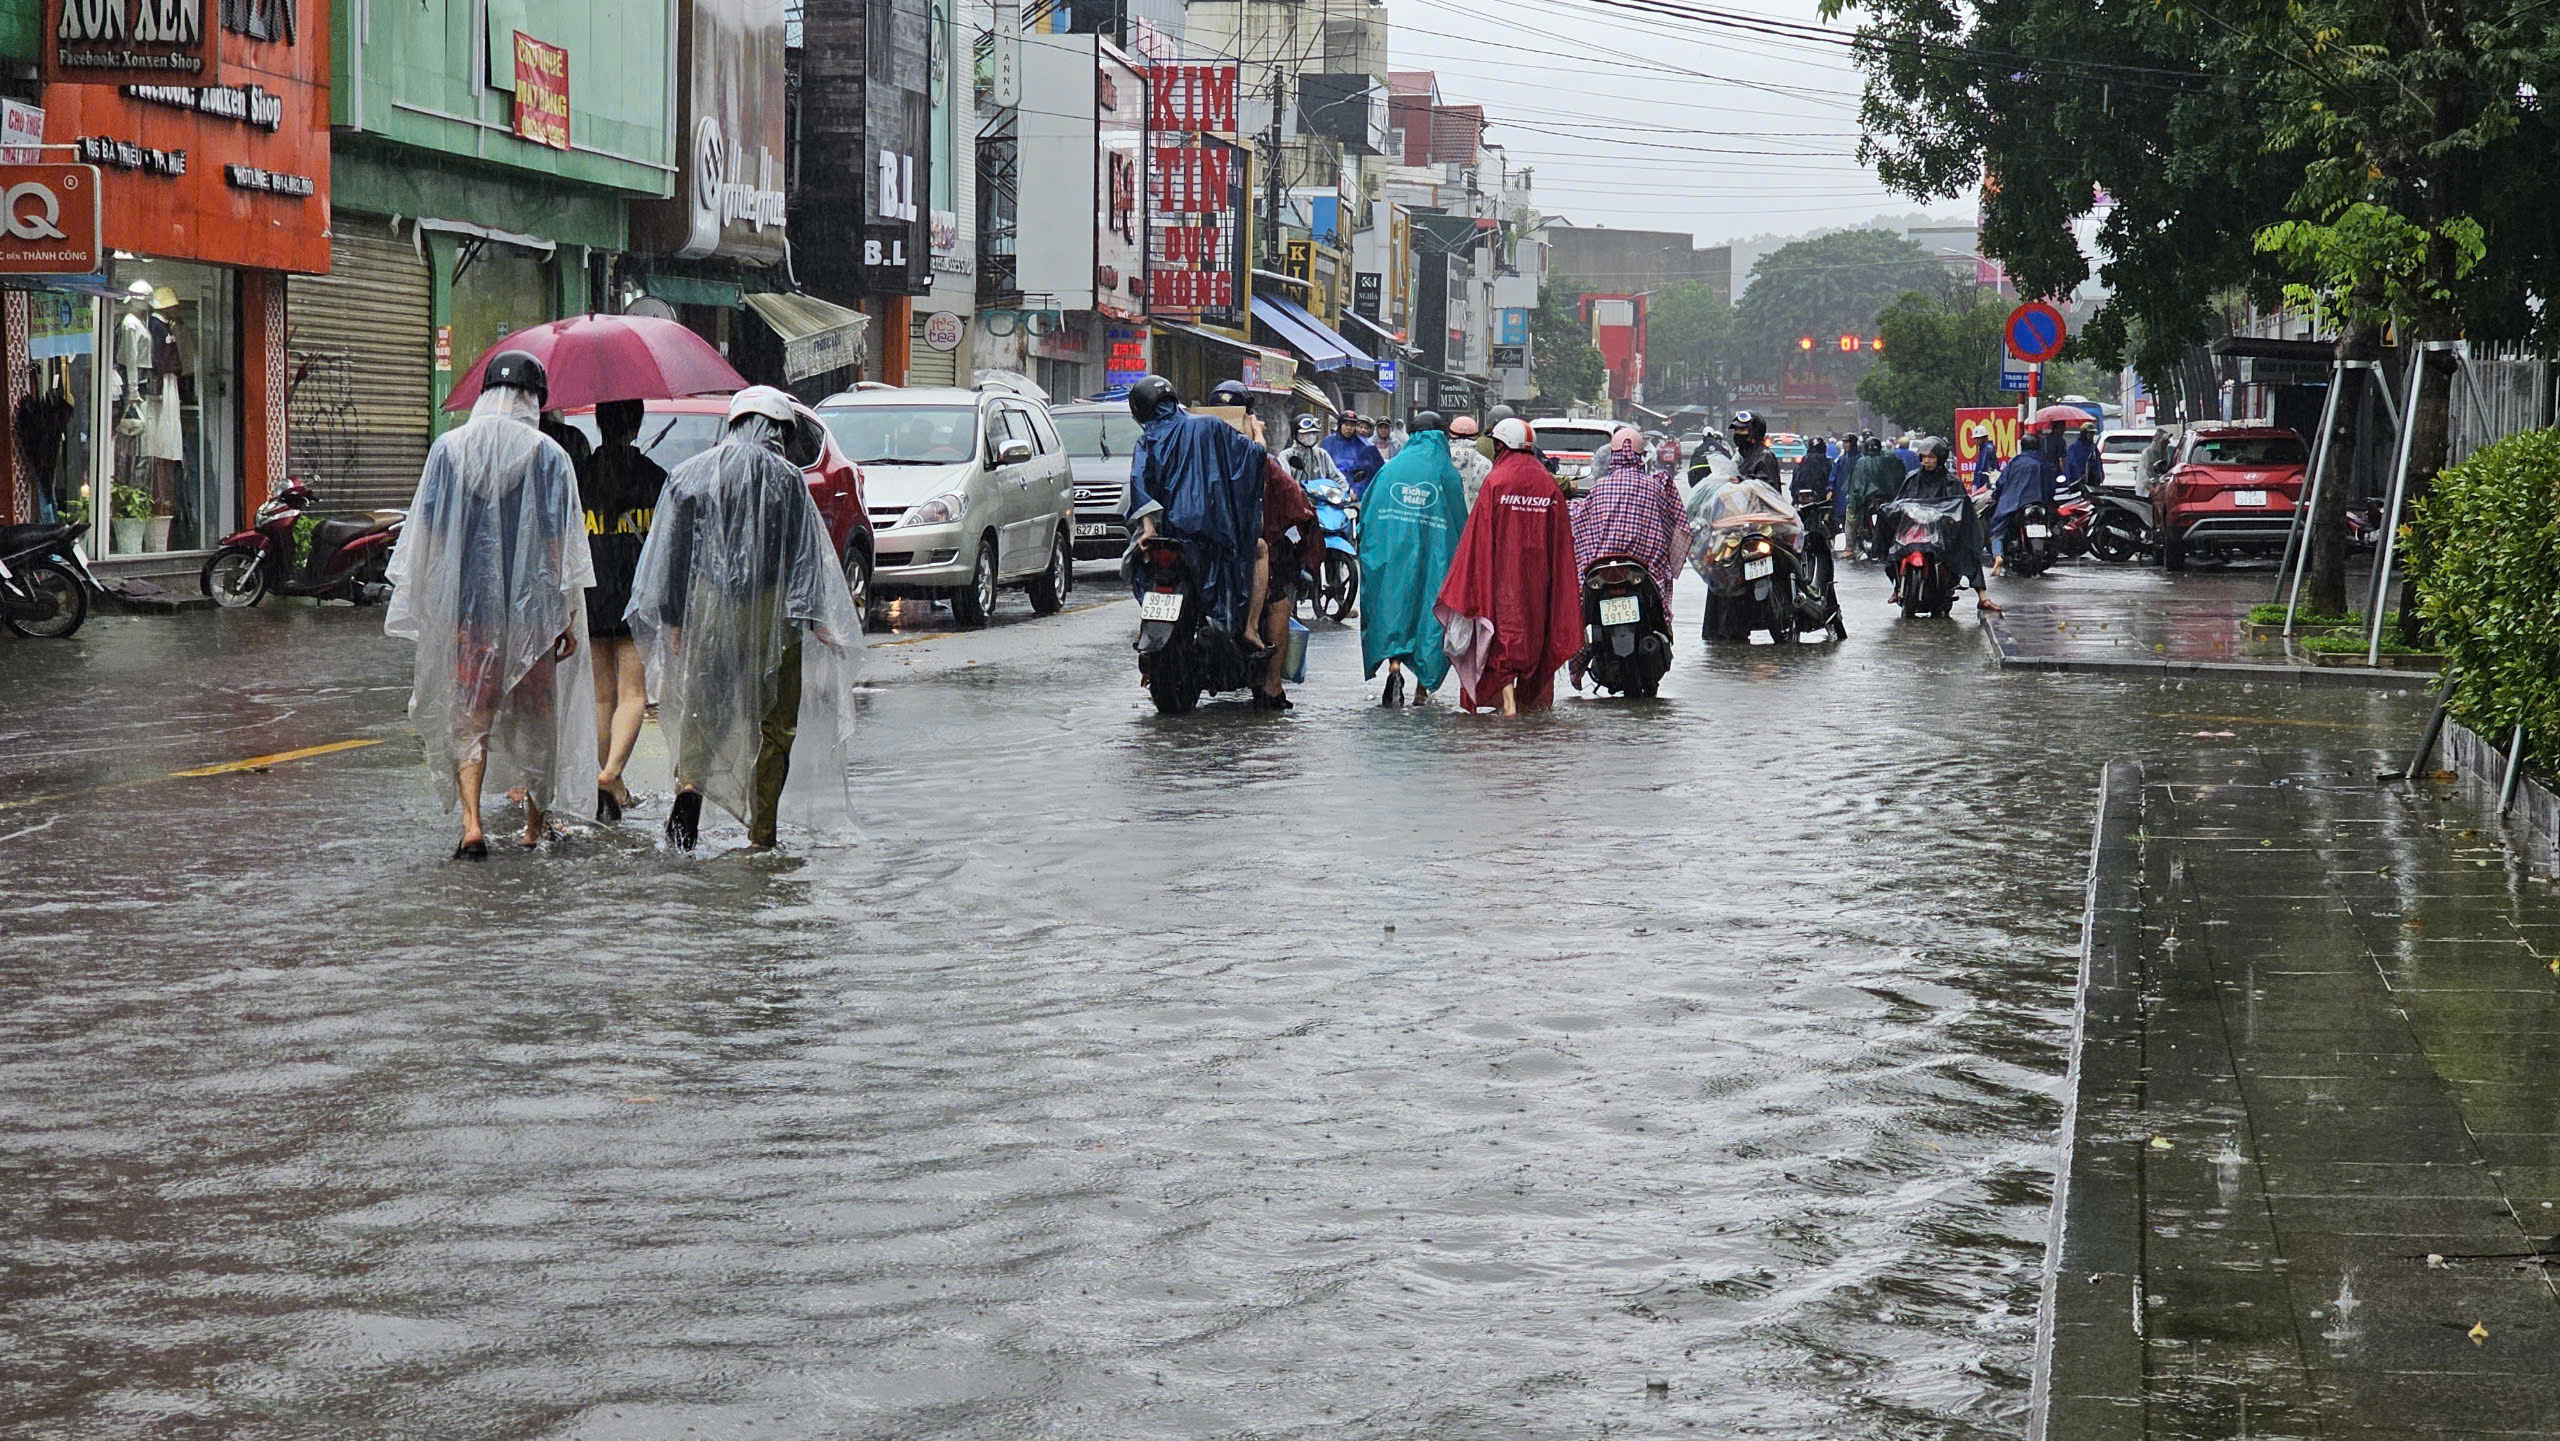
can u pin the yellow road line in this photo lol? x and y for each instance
(254, 763)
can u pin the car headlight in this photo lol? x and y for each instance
(941, 510)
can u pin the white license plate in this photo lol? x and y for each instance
(1620, 610)
(2248, 497)
(1160, 605)
(1088, 530)
(2039, 532)
(1755, 569)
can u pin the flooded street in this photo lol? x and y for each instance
(1635, 1069)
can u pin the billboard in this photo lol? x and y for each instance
(1120, 134)
(1196, 183)
(2000, 420)
(897, 125)
(50, 216)
(1080, 187)
(729, 196)
(143, 42)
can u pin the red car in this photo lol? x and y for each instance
(678, 430)
(2232, 491)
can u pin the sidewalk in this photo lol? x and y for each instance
(2314, 1138)
(2137, 619)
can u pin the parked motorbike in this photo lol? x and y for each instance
(2031, 546)
(1627, 644)
(2074, 516)
(1182, 652)
(45, 583)
(1925, 535)
(2120, 526)
(292, 550)
(1756, 580)
(1337, 586)
(2364, 524)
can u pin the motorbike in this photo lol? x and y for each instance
(1756, 580)
(2032, 545)
(2364, 524)
(1337, 587)
(1821, 571)
(1182, 651)
(2075, 516)
(1925, 535)
(292, 550)
(2120, 526)
(45, 583)
(1627, 643)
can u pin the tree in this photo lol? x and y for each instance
(1939, 355)
(1689, 341)
(1825, 288)
(1565, 364)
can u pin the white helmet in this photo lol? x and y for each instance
(761, 400)
(1513, 433)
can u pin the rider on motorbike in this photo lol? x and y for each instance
(1936, 480)
(1198, 479)
(1629, 511)
(1308, 460)
(1877, 476)
(2026, 480)
(1752, 458)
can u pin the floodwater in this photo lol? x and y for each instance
(1638, 1069)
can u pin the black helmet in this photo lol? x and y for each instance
(1875, 444)
(1935, 445)
(517, 370)
(1427, 420)
(1229, 392)
(1152, 398)
(1746, 423)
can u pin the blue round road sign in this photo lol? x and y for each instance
(2035, 331)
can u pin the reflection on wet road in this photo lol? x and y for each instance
(1352, 1073)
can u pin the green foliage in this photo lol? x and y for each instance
(1568, 365)
(2367, 264)
(2485, 559)
(1827, 287)
(75, 511)
(131, 502)
(2356, 640)
(1938, 355)
(1690, 334)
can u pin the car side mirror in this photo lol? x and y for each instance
(1013, 452)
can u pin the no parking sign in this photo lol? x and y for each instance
(2035, 331)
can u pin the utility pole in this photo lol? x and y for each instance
(1271, 247)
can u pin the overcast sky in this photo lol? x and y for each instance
(1646, 122)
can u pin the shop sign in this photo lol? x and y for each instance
(1368, 294)
(1301, 260)
(131, 155)
(542, 92)
(247, 104)
(1195, 192)
(1510, 357)
(50, 220)
(728, 197)
(1269, 372)
(137, 42)
(1511, 326)
(21, 131)
(1387, 371)
(444, 349)
(942, 330)
(1125, 361)
(2001, 421)
(897, 110)
(1120, 139)
(274, 182)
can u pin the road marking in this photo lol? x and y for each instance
(254, 763)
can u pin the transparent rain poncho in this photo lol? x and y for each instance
(738, 584)
(490, 571)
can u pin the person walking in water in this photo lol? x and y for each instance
(1510, 611)
(740, 606)
(619, 487)
(489, 580)
(1408, 531)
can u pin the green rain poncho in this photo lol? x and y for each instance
(1410, 522)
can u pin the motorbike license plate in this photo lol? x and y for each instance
(2248, 497)
(1160, 605)
(2039, 532)
(1620, 610)
(1087, 530)
(1755, 569)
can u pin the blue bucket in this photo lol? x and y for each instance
(1297, 653)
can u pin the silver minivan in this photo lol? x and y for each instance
(969, 490)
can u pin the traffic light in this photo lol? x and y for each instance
(1848, 344)
(1805, 344)
(1876, 345)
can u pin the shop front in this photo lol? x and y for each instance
(148, 397)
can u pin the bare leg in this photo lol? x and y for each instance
(629, 685)
(600, 661)
(467, 780)
(1275, 630)
(1511, 699)
(1261, 578)
(532, 825)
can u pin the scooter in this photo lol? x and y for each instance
(1924, 572)
(1821, 573)
(1757, 581)
(2120, 526)
(2031, 547)
(291, 551)
(1627, 644)
(1337, 587)
(45, 583)
(1182, 652)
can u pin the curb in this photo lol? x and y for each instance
(2088, 1373)
(2006, 652)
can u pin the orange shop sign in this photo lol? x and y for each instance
(132, 42)
(50, 220)
(542, 92)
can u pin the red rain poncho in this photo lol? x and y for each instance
(1511, 609)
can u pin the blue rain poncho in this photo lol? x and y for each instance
(1206, 478)
(738, 580)
(1409, 528)
(2026, 480)
(490, 572)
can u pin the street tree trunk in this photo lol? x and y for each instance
(2325, 591)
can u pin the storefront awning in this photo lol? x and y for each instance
(1321, 344)
(817, 335)
(1207, 336)
(1394, 343)
(1316, 399)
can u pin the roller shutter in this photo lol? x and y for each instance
(928, 366)
(359, 350)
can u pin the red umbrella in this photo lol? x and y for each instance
(596, 358)
(2061, 415)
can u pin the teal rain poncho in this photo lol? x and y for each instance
(1410, 522)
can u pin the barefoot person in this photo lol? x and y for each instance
(1408, 531)
(619, 487)
(740, 606)
(1511, 608)
(490, 580)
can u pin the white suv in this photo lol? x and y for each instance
(969, 490)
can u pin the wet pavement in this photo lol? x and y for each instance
(2139, 619)
(1638, 1068)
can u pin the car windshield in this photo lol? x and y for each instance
(905, 434)
(1092, 434)
(2255, 450)
(668, 439)
(2125, 444)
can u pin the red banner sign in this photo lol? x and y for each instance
(2000, 422)
(1195, 192)
(542, 92)
(49, 220)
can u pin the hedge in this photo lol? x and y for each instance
(2485, 558)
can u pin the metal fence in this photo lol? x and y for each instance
(2503, 388)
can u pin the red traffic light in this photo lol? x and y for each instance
(1848, 343)
(1805, 344)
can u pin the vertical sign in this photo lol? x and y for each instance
(542, 92)
(1195, 191)
(21, 131)
(1120, 134)
(897, 116)
(1368, 294)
